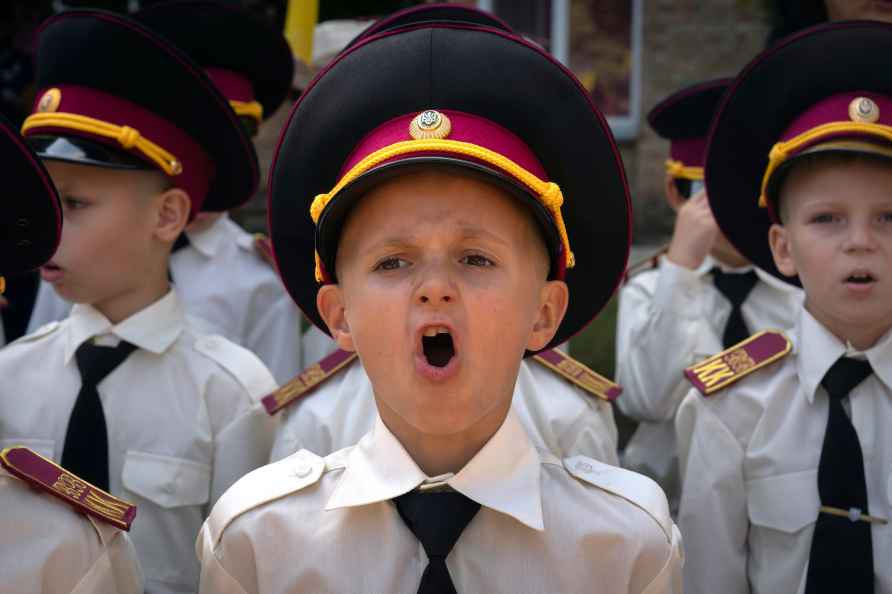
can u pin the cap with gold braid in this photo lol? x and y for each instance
(443, 92)
(31, 221)
(130, 99)
(824, 90)
(249, 61)
(683, 118)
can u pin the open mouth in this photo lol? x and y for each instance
(438, 346)
(860, 278)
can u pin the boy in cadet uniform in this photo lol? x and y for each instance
(565, 406)
(445, 219)
(222, 274)
(700, 296)
(785, 444)
(125, 392)
(53, 538)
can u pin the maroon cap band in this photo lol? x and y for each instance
(233, 85)
(691, 152)
(197, 167)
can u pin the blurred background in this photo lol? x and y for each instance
(628, 53)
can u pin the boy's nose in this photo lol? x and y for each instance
(860, 237)
(436, 287)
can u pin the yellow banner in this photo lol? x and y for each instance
(299, 24)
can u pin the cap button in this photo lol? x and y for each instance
(864, 110)
(50, 101)
(430, 124)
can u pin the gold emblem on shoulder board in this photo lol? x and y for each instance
(864, 110)
(430, 124)
(50, 101)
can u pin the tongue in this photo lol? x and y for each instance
(438, 350)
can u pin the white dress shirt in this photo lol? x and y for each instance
(559, 417)
(183, 416)
(47, 547)
(222, 280)
(546, 525)
(750, 456)
(672, 317)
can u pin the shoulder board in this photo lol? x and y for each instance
(308, 380)
(722, 370)
(631, 486)
(264, 248)
(247, 369)
(263, 485)
(577, 373)
(46, 476)
(648, 263)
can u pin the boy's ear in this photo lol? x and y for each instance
(330, 303)
(554, 298)
(673, 196)
(174, 206)
(779, 240)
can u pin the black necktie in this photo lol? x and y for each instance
(841, 558)
(735, 287)
(436, 520)
(86, 440)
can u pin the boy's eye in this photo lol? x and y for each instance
(477, 260)
(824, 218)
(71, 203)
(886, 217)
(392, 263)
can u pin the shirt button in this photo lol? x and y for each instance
(583, 467)
(303, 472)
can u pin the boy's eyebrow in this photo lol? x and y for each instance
(477, 232)
(468, 231)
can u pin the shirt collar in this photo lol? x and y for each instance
(208, 240)
(503, 475)
(822, 349)
(709, 263)
(880, 357)
(153, 328)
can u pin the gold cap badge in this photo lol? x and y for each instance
(430, 124)
(862, 109)
(50, 101)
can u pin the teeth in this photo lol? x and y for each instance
(432, 331)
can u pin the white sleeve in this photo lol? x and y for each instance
(595, 435)
(275, 336)
(116, 571)
(243, 445)
(215, 579)
(713, 514)
(669, 580)
(656, 335)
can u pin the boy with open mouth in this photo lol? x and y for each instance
(786, 473)
(427, 197)
(330, 405)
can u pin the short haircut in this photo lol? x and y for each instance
(809, 162)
